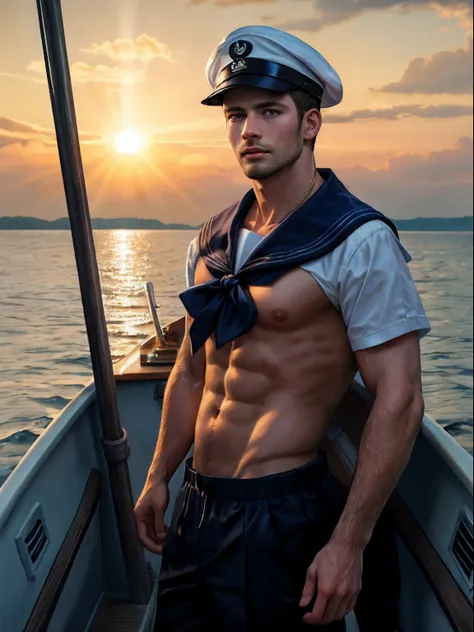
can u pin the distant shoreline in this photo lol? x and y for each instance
(419, 224)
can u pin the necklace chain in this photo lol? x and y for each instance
(303, 198)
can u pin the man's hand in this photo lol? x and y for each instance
(336, 571)
(149, 515)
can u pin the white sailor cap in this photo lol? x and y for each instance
(269, 58)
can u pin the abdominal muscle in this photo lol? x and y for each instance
(269, 395)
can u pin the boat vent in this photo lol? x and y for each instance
(463, 546)
(32, 540)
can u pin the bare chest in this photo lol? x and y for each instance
(290, 302)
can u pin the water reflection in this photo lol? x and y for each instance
(127, 259)
(124, 267)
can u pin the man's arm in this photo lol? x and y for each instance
(178, 420)
(392, 373)
(180, 408)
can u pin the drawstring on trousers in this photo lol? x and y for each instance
(203, 508)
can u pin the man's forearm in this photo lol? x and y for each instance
(178, 421)
(384, 451)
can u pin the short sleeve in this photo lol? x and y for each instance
(378, 298)
(191, 262)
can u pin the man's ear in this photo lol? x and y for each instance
(312, 124)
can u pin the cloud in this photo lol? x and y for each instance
(81, 72)
(143, 48)
(12, 125)
(330, 12)
(12, 75)
(14, 132)
(438, 184)
(398, 112)
(232, 3)
(445, 72)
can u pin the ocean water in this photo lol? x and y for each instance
(44, 353)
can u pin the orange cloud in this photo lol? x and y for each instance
(331, 12)
(445, 72)
(14, 75)
(437, 184)
(81, 72)
(14, 132)
(232, 3)
(143, 48)
(398, 112)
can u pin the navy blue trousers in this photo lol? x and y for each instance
(237, 550)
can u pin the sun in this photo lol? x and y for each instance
(129, 142)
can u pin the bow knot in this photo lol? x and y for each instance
(228, 281)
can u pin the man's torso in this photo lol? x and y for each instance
(270, 394)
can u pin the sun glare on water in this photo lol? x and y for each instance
(129, 142)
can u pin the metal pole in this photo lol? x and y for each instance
(114, 437)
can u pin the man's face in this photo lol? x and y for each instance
(258, 119)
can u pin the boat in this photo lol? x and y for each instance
(70, 557)
(62, 564)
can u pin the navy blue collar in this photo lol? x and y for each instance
(224, 306)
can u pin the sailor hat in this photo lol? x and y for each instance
(266, 57)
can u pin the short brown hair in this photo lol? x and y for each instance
(305, 102)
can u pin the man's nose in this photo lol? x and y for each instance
(251, 128)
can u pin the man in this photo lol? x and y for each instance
(290, 292)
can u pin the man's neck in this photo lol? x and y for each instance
(279, 195)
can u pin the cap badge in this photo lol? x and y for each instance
(240, 49)
(238, 65)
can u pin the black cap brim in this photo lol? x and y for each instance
(248, 81)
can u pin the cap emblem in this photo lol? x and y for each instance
(240, 49)
(238, 65)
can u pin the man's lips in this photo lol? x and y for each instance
(254, 151)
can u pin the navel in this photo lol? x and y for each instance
(280, 315)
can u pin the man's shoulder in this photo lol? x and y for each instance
(372, 227)
(370, 232)
(374, 238)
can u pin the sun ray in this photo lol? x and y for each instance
(172, 186)
(102, 174)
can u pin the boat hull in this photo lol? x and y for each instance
(435, 492)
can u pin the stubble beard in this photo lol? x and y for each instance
(263, 172)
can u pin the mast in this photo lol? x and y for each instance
(115, 441)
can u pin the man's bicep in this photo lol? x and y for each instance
(393, 367)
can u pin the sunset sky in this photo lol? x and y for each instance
(401, 138)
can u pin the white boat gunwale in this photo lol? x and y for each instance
(38, 453)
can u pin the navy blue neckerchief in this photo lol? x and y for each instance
(225, 305)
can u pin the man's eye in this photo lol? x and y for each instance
(232, 117)
(271, 111)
